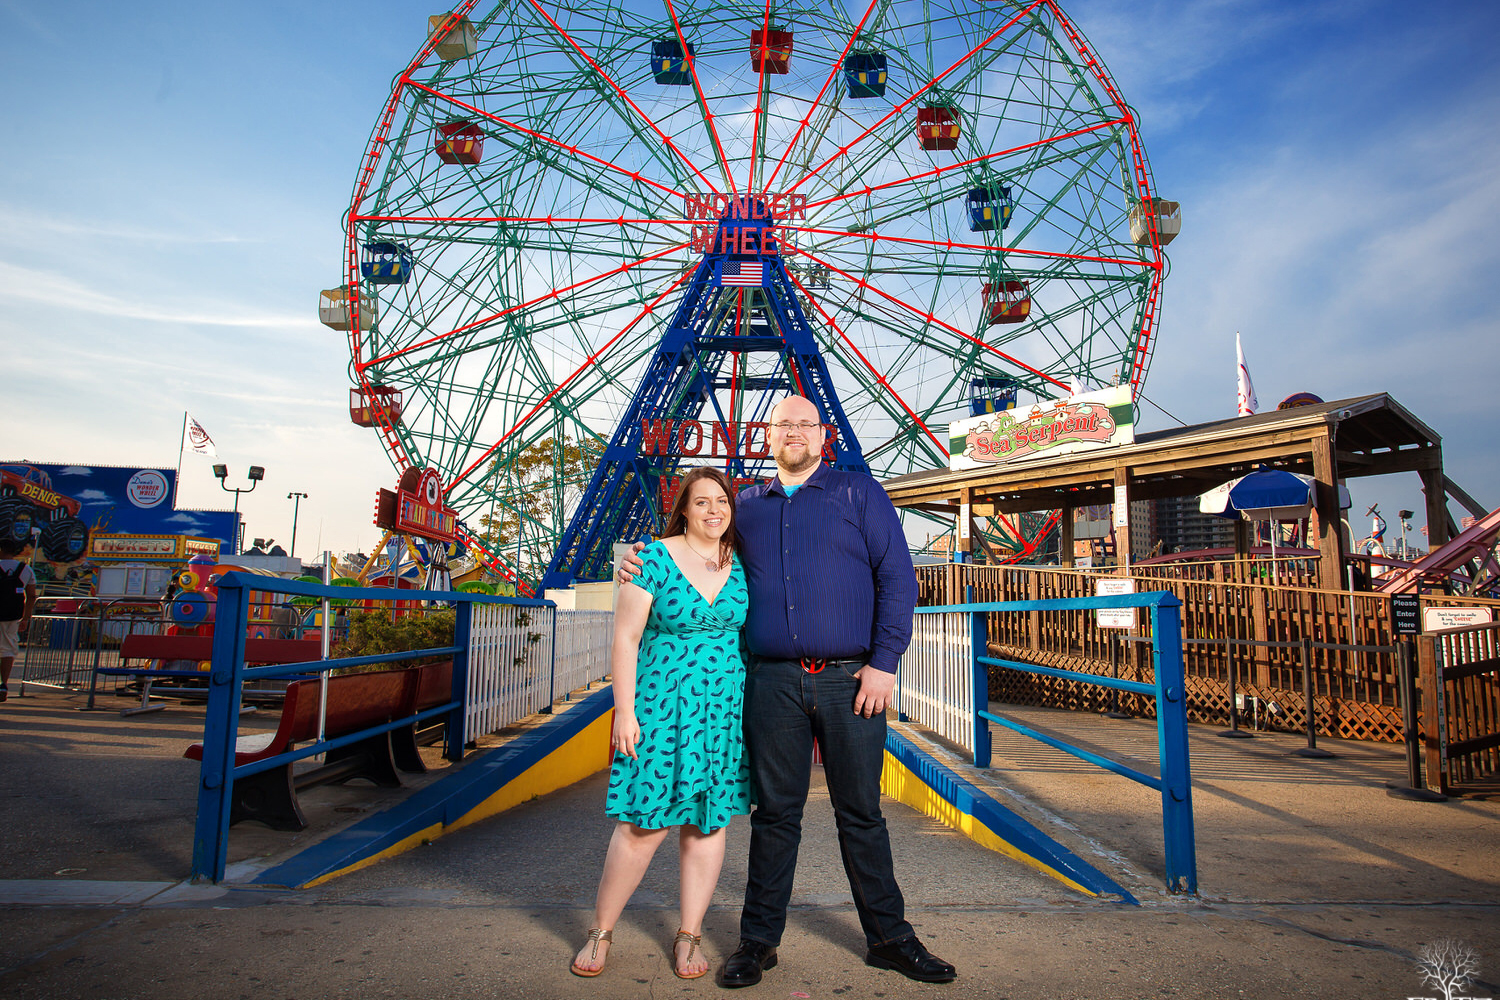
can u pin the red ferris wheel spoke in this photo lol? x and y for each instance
(938, 171)
(866, 362)
(760, 96)
(556, 293)
(844, 150)
(862, 283)
(621, 91)
(591, 360)
(952, 245)
(832, 75)
(634, 175)
(708, 116)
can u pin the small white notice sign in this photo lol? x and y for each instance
(1122, 507)
(1113, 586)
(1434, 619)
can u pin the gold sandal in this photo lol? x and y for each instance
(595, 936)
(695, 941)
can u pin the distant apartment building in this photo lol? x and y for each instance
(1182, 527)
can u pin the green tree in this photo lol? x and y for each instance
(542, 485)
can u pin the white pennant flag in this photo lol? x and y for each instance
(196, 440)
(1248, 404)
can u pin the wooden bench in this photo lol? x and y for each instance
(434, 687)
(355, 702)
(196, 649)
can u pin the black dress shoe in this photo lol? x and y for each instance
(913, 961)
(744, 967)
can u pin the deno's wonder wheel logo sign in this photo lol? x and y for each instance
(147, 488)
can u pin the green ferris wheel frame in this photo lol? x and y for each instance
(526, 278)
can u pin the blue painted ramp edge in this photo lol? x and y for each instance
(443, 802)
(970, 800)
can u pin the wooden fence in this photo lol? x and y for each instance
(1463, 664)
(1355, 693)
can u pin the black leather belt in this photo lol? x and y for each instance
(812, 665)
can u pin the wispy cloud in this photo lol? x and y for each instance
(47, 288)
(21, 226)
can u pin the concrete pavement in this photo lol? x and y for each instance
(1314, 883)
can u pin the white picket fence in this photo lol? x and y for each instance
(523, 657)
(581, 651)
(935, 686)
(510, 665)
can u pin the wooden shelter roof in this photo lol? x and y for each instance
(1367, 436)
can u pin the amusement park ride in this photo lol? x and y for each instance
(637, 226)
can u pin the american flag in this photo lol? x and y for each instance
(748, 273)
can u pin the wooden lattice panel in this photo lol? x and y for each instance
(1207, 699)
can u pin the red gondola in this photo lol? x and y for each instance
(777, 46)
(460, 142)
(938, 127)
(367, 411)
(1006, 302)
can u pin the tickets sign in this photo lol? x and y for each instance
(148, 548)
(1102, 419)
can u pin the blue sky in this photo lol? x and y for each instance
(174, 176)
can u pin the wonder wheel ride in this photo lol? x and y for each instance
(551, 292)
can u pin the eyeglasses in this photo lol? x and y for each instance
(805, 426)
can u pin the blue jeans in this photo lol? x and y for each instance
(785, 708)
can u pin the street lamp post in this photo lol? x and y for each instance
(1405, 517)
(296, 499)
(255, 475)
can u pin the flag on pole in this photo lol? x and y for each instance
(1248, 404)
(196, 439)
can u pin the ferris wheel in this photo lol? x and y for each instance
(954, 214)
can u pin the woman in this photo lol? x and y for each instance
(679, 684)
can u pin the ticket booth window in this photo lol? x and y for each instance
(149, 582)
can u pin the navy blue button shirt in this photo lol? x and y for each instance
(829, 570)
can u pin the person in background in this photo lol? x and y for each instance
(679, 681)
(17, 601)
(831, 596)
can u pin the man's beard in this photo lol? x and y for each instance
(811, 459)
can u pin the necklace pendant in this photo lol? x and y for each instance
(713, 567)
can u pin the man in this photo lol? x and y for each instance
(831, 597)
(17, 599)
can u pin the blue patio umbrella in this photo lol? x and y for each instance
(1265, 495)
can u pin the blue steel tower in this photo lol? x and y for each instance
(740, 300)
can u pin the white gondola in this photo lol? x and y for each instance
(333, 309)
(1168, 221)
(460, 43)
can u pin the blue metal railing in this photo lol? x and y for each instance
(229, 673)
(1175, 782)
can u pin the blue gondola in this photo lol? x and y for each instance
(990, 207)
(669, 65)
(864, 74)
(386, 263)
(991, 394)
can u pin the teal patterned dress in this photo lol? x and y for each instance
(690, 694)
